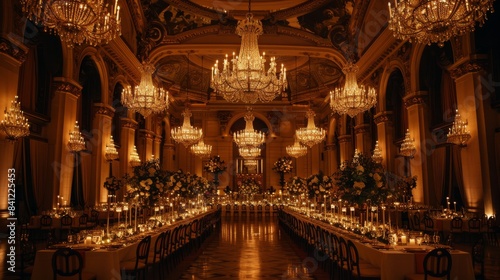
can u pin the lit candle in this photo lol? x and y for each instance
(412, 241)
(88, 240)
(403, 239)
(455, 205)
(352, 211)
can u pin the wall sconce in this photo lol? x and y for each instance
(458, 133)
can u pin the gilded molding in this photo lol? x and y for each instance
(330, 146)
(62, 85)
(129, 123)
(147, 134)
(345, 138)
(224, 117)
(298, 10)
(414, 99)
(12, 50)
(362, 128)
(465, 68)
(105, 110)
(383, 117)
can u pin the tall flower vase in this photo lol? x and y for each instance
(282, 180)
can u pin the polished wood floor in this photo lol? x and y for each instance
(256, 248)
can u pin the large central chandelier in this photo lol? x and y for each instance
(352, 99)
(296, 150)
(15, 124)
(249, 152)
(201, 149)
(186, 134)
(436, 21)
(310, 135)
(458, 133)
(146, 97)
(244, 78)
(249, 137)
(76, 21)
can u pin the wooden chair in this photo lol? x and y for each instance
(478, 259)
(83, 221)
(437, 263)
(428, 225)
(66, 225)
(358, 269)
(243, 209)
(267, 210)
(228, 209)
(251, 211)
(67, 262)
(155, 257)
(456, 228)
(474, 229)
(492, 230)
(140, 264)
(416, 223)
(259, 209)
(28, 253)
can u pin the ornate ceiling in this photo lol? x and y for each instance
(310, 37)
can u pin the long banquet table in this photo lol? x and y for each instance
(396, 262)
(104, 263)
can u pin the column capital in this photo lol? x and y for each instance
(104, 109)
(129, 123)
(345, 138)
(415, 98)
(383, 117)
(362, 128)
(330, 146)
(13, 49)
(465, 68)
(148, 134)
(66, 85)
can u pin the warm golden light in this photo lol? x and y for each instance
(249, 137)
(186, 134)
(76, 142)
(135, 160)
(310, 135)
(111, 153)
(15, 124)
(296, 150)
(458, 133)
(201, 149)
(407, 147)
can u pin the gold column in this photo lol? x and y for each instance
(101, 128)
(127, 144)
(331, 162)
(63, 117)
(168, 162)
(385, 134)
(363, 138)
(418, 126)
(145, 145)
(346, 149)
(478, 163)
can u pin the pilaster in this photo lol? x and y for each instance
(385, 132)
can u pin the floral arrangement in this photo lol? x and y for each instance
(249, 186)
(319, 185)
(147, 184)
(112, 184)
(362, 180)
(297, 186)
(215, 165)
(403, 186)
(283, 165)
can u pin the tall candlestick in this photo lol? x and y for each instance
(455, 205)
(135, 220)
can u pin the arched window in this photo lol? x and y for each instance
(91, 92)
(120, 112)
(394, 102)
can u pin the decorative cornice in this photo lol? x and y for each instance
(465, 68)
(129, 123)
(362, 128)
(375, 64)
(294, 32)
(298, 10)
(383, 117)
(105, 110)
(67, 86)
(417, 98)
(136, 13)
(148, 134)
(345, 138)
(12, 50)
(330, 146)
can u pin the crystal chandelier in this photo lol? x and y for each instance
(436, 21)
(407, 148)
(186, 134)
(111, 153)
(76, 21)
(377, 153)
(251, 162)
(201, 149)
(249, 137)
(458, 133)
(352, 99)
(296, 150)
(245, 78)
(310, 135)
(146, 98)
(249, 152)
(15, 124)
(76, 142)
(135, 160)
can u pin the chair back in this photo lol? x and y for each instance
(416, 221)
(82, 221)
(428, 223)
(66, 221)
(478, 256)
(67, 262)
(166, 243)
(343, 253)
(474, 225)
(437, 263)
(142, 251)
(46, 221)
(158, 249)
(456, 224)
(353, 261)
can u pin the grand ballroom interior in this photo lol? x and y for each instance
(315, 85)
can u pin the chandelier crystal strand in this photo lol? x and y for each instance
(244, 77)
(135, 160)
(76, 141)
(407, 148)
(310, 135)
(377, 153)
(76, 21)
(352, 99)
(186, 134)
(436, 21)
(296, 150)
(15, 124)
(249, 152)
(146, 99)
(458, 133)
(249, 137)
(201, 149)
(111, 153)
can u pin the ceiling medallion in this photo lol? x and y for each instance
(244, 77)
(436, 21)
(352, 99)
(76, 21)
(310, 135)
(146, 99)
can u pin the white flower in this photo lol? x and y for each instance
(359, 185)
(360, 169)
